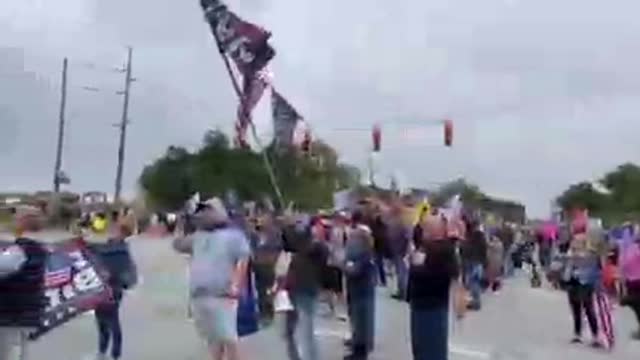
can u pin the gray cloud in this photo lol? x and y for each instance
(542, 92)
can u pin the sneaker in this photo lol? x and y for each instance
(596, 344)
(576, 340)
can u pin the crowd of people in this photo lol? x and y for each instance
(340, 258)
(443, 262)
(302, 261)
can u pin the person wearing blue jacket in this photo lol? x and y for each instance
(360, 272)
(116, 258)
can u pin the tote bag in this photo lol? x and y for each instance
(247, 321)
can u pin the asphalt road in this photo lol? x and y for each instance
(519, 323)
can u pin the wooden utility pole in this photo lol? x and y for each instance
(123, 126)
(57, 171)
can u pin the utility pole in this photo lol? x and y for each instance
(123, 126)
(57, 172)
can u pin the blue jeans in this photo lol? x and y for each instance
(382, 275)
(509, 266)
(430, 333)
(402, 274)
(362, 310)
(303, 318)
(473, 282)
(109, 330)
(544, 254)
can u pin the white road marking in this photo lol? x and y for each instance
(476, 354)
(331, 333)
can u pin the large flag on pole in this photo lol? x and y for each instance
(285, 120)
(244, 42)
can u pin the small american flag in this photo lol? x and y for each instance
(58, 270)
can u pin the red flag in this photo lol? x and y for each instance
(244, 42)
(376, 137)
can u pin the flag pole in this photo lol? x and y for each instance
(254, 132)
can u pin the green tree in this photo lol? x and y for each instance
(617, 201)
(308, 181)
(474, 199)
(469, 193)
(582, 195)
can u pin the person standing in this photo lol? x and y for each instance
(581, 276)
(117, 259)
(335, 278)
(218, 267)
(630, 269)
(22, 293)
(380, 234)
(399, 246)
(495, 261)
(474, 259)
(266, 245)
(360, 273)
(433, 274)
(303, 284)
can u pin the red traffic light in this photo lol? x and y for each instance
(448, 132)
(376, 135)
(306, 141)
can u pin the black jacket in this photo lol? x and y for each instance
(22, 295)
(474, 249)
(380, 237)
(307, 263)
(429, 283)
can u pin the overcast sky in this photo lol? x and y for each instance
(543, 93)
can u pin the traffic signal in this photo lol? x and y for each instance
(448, 132)
(376, 134)
(306, 142)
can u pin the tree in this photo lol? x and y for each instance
(474, 199)
(216, 168)
(582, 195)
(469, 193)
(215, 139)
(619, 199)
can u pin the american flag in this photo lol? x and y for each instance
(602, 307)
(252, 90)
(58, 270)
